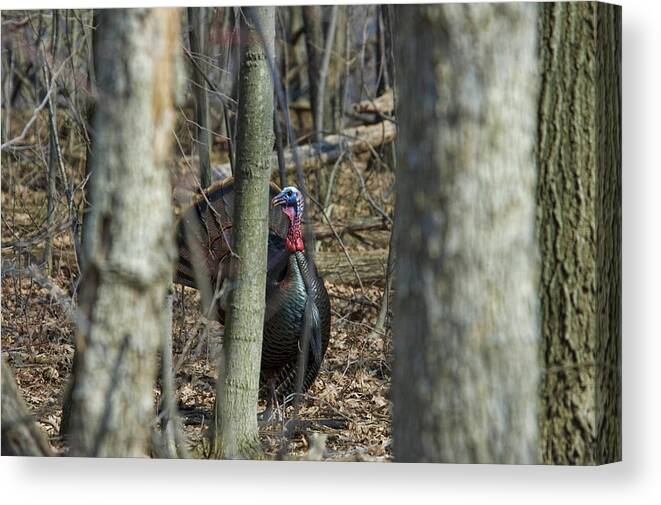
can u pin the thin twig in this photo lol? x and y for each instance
(36, 112)
(339, 240)
(366, 193)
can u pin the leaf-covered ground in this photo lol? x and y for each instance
(350, 393)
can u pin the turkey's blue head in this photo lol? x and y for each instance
(291, 201)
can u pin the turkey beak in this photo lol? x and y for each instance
(278, 200)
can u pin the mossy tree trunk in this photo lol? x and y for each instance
(128, 267)
(579, 222)
(236, 430)
(466, 329)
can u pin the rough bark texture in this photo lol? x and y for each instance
(197, 20)
(20, 434)
(236, 430)
(579, 226)
(465, 329)
(129, 265)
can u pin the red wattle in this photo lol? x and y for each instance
(294, 242)
(294, 239)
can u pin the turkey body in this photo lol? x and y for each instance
(297, 314)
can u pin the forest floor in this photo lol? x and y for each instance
(351, 392)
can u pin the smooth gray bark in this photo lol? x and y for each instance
(128, 267)
(465, 316)
(236, 430)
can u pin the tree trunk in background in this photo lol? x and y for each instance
(170, 442)
(20, 434)
(236, 431)
(87, 204)
(465, 329)
(314, 46)
(52, 154)
(579, 222)
(86, 230)
(384, 63)
(197, 20)
(51, 202)
(129, 266)
(336, 82)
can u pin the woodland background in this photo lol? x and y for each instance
(562, 177)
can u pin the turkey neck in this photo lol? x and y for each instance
(300, 271)
(288, 297)
(304, 268)
(294, 239)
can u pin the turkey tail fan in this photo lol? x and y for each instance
(204, 232)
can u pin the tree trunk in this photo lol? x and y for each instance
(52, 154)
(384, 61)
(87, 204)
(236, 430)
(465, 328)
(52, 196)
(170, 442)
(86, 230)
(129, 266)
(314, 46)
(579, 223)
(197, 20)
(337, 81)
(20, 434)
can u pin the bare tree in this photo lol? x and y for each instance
(197, 19)
(236, 430)
(128, 267)
(314, 46)
(579, 222)
(465, 329)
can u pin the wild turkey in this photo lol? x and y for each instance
(297, 303)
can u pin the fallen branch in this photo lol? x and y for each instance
(384, 104)
(370, 265)
(322, 230)
(358, 139)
